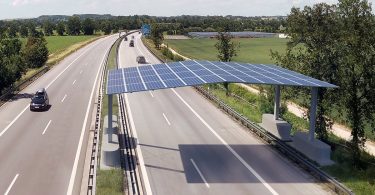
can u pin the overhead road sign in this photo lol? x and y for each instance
(190, 73)
(146, 29)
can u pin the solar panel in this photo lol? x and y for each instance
(189, 73)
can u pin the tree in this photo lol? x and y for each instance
(74, 26)
(35, 53)
(88, 26)
(227, 50)
(32, 29)
(60, 28)
(12, 30)
(157, 35)
(337, 44)
(316, 28)
(23, 30)
(226, 47)
(106, 27)
(48, 28)
(357, 67)
(11, 64)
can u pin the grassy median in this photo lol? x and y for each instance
(109, 182)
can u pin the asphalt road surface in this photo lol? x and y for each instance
(43, 152)
(188, 146)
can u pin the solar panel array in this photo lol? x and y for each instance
(189, 73)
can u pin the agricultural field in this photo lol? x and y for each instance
(252, 50)
(59, 43)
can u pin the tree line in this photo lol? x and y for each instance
(336, 43)
(88, 24)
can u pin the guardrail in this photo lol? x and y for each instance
(284, 148)
(19, 87)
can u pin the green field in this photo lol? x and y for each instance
(252, 50)
(59, 43)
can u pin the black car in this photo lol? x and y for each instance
(141, 60)
(131, 44)
(40, 100)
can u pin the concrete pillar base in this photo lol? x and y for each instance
(278, 128)
(110, 151)
(316, 150)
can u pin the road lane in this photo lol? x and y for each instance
(46, 163)
(167, 149)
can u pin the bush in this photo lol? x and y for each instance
(178, 58)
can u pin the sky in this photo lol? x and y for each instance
(10, 9)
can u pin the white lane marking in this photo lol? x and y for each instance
(80, 72)
(139, 151)
(63, 98)
(200, 173)
(74, 82)
(165, 117)
(14, 120)
(19, 115)
(228, 146)
(11, 185)
(78, 152)
(152, 95)
(45, 129)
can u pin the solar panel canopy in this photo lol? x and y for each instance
(190, 73)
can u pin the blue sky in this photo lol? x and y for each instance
(32, 8)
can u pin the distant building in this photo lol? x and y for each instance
(283, 36)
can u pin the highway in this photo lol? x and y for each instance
(188, 146)
(43, 152)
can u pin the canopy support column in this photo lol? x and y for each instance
(277, 102)
(110, 104)
(314, 100)
(226, 85)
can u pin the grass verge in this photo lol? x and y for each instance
(359, 179)
(64, 49)
(109, 181)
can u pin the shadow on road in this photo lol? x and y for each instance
(21, 96)
(219, 165)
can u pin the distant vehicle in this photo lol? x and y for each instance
(40, 100)
(131, 44)
(132, 36)
(139, 32)
(126, 39)
(141, 60)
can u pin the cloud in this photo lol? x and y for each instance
(301, 3)
(26, 2)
